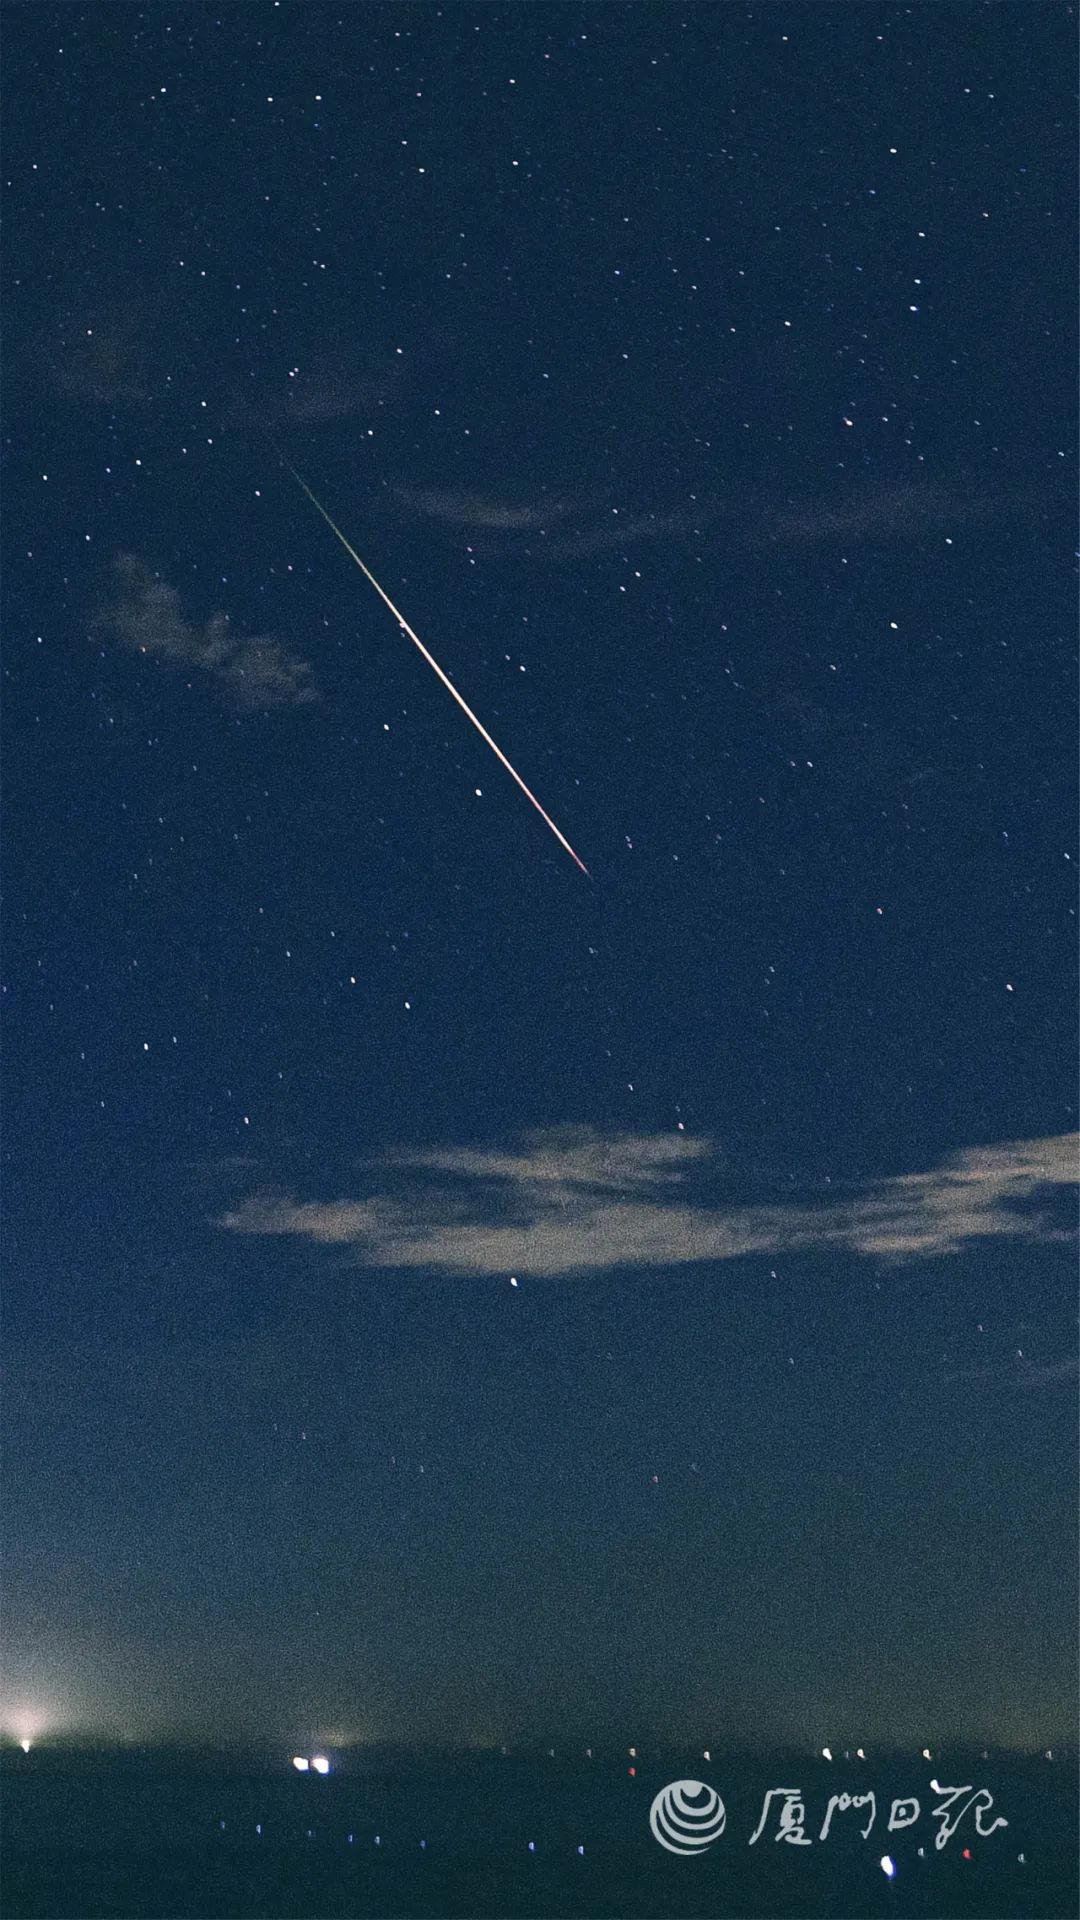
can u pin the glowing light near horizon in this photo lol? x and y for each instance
(888, 1866)
(320, 1763)
(826, 1753)
(25, 1721)
(300, 1763)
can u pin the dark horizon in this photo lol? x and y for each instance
(612, 1750)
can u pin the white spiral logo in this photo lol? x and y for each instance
(687, 1816)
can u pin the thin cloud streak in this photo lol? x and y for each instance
(324, 394)
(685, 523)
(568, 1203)
(619, 528)
(891, 513)
(1028, 1375)
(908, 512)
(258, 672)
(473, 510)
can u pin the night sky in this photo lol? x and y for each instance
(449, 1296)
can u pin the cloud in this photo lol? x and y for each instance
(891, 513)
(475, 510)
(333, 393)
(569, 1202)
(907, 512)
(1050, 1373)
(257, 671)
(102, 355)
(1023, 1373)
(620, 530)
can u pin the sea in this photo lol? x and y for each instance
(153, 1834)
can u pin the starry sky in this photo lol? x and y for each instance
(450, 1296)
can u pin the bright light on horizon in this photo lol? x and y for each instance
(321, 1764)
(300, 1763)
(26, 1722)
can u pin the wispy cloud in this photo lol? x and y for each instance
(257, 671)
(583, 1202)
(477, 510)
(579, 528)
(621, 529)
(1024, 1373)
(334, 393)
(102, 354)
(889, 513)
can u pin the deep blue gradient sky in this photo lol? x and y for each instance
(449, 1296)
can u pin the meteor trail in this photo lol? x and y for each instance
(432, 662)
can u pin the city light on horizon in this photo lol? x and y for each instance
(26, 1722)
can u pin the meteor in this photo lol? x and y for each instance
(430, 658)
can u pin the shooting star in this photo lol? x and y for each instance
(429, 657)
